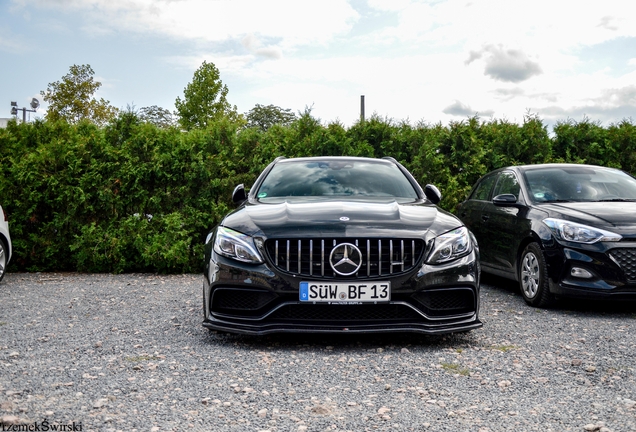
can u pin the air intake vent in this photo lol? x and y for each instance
(235, 300)
(446, 301)
(626, 259)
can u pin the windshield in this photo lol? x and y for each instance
(579, 183)
(336, 178)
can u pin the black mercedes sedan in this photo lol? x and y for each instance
(340, 244)
(560, 230)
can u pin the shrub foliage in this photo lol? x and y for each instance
(134, 196)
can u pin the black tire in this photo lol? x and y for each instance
(533, 277)
(4, 256)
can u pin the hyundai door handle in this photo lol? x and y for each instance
(485, 218)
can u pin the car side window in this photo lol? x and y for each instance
(507, 184)
(482, 191)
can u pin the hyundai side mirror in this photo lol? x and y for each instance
(505, 200)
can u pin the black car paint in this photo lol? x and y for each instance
(316, 218)
(503, 229)
(381, 217)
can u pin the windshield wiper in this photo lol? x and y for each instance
(556, 201)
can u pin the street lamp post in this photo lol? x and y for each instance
(14, 108)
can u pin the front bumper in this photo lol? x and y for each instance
(253, 299)
(611, 268)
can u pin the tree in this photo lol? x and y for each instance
(156, 115)
(204, 100)
(71, 99)
(264, 117)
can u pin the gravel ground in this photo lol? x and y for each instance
(128, 353)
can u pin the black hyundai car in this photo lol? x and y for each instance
(340, 244)
(560, 230)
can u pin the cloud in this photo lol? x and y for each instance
(393, 5)
(437, 60)
(508, 65)
(9, 43)
(252, 44)
(461, 110)
(458, 109)
(273, 53)
(625, 96)
(466, 23)
(294, 23)
(609, 23)
(509, 93)
(611, 106)
(227, 64)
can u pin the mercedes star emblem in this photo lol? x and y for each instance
(345, 259)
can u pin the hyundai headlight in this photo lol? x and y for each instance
(450, 246)
(233, 244)
(575, 232)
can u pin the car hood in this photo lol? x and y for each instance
(619, 217)
(340, 218)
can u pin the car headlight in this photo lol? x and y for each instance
(450, 246)
(233, 244)
(575, 232)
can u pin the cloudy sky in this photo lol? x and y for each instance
(432, 61)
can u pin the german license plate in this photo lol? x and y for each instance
(345, 292)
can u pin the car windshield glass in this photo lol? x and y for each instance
(579, 183)
(335, 178)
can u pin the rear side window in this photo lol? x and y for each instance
(482, 190)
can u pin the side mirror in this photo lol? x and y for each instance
(238, 196)
(505, 200)
(432, 193)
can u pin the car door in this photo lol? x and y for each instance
(505, 224)
(471, 212)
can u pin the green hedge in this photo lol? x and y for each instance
(135, 197)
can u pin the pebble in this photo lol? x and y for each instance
(99, 403)
(504, 383)
(10, 420)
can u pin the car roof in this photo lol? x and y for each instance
(529, 167)
(385, 160)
